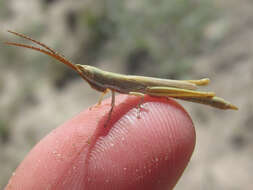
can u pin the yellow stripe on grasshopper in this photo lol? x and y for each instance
(177, 92)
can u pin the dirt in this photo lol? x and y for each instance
(223, 153)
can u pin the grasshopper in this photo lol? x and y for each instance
(104, 81)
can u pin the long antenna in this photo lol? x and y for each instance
(35, 41)
(56, 56)
(48, 51)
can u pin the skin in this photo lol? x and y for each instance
(148, 153)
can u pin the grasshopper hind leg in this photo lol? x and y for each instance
(139, 106)
(177, 92)
(216, 102)
(201, 82)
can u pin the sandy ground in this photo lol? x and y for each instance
(223, 153)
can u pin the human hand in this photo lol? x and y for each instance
(149, 152)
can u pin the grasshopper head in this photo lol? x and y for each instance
(85, 71)
(90, 74)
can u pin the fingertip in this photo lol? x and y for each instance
(143, 153)
(130, 153)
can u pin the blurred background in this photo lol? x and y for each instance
(179, 39)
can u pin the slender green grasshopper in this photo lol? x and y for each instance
(104, 81)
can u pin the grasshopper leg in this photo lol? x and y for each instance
(216, 102)
(111, 110)
(139, 106)
(201, 82)
(177, 92)
(102, 96)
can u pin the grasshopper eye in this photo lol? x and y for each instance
(79, 67)
(84, 70)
